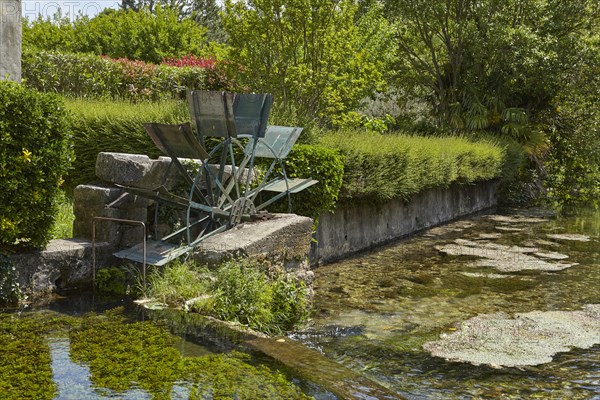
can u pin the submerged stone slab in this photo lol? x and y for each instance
(552, 255)
(488, 236)
(569, 237)
(515, 219)
(486, 276)
(533, 338)
(501, 257)
(509, 229)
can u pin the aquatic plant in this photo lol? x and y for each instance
(122, 354)
(25, 371)
(233, 376)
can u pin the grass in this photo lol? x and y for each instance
(382, 167)
(63, 223)
(238, 291)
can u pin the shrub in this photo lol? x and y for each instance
(382, 167)
(317, 162)
(90, 76)
(34, 155)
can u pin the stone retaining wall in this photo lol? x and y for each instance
(351, 229)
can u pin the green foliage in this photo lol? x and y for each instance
(317, 162)
(90, 76)
(382, 167)
(239, 291)
(56, 34)
(178, 283)
(141, 35)
(34, 156)
(483, 58)
(10, 290)
(243, 294)
(115, 127)
(321, 56)
(573, 125)
(63, 222)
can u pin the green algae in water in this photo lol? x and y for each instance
(25, 370)
(112, 357)
(395, 299)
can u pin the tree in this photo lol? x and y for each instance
(207, 13)
(487, 64)
(139, 35)
(182, 6)
(318, 55)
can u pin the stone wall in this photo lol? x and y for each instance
(351, 229)
(10, 40)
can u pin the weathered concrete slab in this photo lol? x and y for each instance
(533, 338)
(284, 240)
(63, 264)
(10, 40)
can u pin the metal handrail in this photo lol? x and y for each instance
(125, 221)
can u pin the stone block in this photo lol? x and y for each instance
(94, 196)
(89, 201)
(283, 241)
(106, 231)
(64, 264)
(136, 170)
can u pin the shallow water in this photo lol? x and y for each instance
(376, 310)
(56, 352)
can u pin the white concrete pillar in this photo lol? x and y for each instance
(10, 40)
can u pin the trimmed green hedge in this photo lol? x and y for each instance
(91, 76)
(351, 165)
(382, 167)
(115, 127)
(35, 153)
